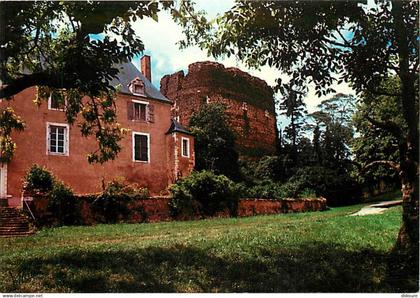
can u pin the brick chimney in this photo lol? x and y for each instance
(145, 67)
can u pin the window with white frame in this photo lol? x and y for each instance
(140, 111)
(141, 147)
(137, 87)
(57, 139)
(185, 147)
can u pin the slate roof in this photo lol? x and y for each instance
(129, 72)
(177, 127)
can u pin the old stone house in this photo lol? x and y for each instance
(156, 151)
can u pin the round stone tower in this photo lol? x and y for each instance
(249, 103)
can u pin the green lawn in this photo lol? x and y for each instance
(307, 252)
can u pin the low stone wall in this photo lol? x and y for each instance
(156, 209)
(250, 207)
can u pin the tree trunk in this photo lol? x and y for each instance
(408, 237)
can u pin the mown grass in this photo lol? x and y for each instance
(307, 252)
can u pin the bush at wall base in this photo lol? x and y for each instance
(203, 194)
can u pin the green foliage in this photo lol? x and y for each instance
(292, 189)
(265, 190)
(63, 205)
(269, 168)
(337, 187)
(308, 193)
(120, 187)
(294, 108)
(333, 131)
(323, 43)
(214, 141)
(310, 42)
(373, 143)
(276, 191)
(71, 51)
(39, 179)
(112, 205)
(9, 122)
(296, 252)
(256, 151)
(203, 193)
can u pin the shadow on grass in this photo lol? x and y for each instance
(313, 268)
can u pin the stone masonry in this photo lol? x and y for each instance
(249, 101)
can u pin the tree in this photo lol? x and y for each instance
(214, 141)
(333, 131)
(324, 42)
(294, 108)
(51, 45)
(373, 143)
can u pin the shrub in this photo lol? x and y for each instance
(214, 141)
(265, 190)
(269, 168)
(308, 193)
(203, 193)
(247, 172)
(337, 187)
(63, 205)
(275, 191)
(39, 180)
(113, 204)
(291, 189)
(119, 187)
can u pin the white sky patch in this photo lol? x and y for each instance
(160, 41)
(312, 100)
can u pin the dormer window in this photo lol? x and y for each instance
(56, 102)
(137, 87)
(244, 106)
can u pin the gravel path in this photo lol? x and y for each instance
(376, 208)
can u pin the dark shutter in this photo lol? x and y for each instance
(130, 110)
(150, 113)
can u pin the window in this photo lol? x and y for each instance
(141, 147)
(140, 111)
(56, 103)
(185, 147)
(137, 87)
(57, 139)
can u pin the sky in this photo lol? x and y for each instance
(160, 41)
